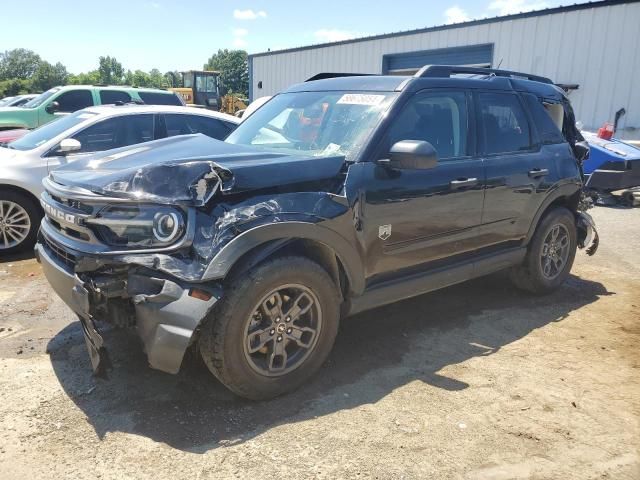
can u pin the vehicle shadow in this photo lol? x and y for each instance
(16, 257)
(375, 353)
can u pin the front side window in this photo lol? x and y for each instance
(116, 132)
(74, 100)
(43, 134)
(182, 124)
(439, 118)
(314, 123)
(503, 124)
(108, 97)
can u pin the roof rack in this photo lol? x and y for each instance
(434, 71)
(323, 75)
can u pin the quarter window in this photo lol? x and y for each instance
(503, 124)
(438, 118)
(116, 132)
(74, 100)
(156, 98)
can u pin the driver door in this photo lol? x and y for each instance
(415, 217)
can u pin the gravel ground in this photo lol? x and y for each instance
(478, 381)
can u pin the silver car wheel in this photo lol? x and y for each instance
(15, 224)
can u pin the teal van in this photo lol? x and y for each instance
(60, 101)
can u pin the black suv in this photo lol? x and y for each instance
(336, 196)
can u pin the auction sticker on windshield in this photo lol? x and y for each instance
(360, 99)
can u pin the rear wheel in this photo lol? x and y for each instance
(19, 222)
(273, 329)
(550, 254)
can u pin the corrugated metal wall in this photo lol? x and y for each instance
(598, 48)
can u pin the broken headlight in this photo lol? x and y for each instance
(139, 226)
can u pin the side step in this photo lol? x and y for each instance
(424, 282)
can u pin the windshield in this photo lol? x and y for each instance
(6, 100)
(37, 101)
(317, 123)
(41, 135)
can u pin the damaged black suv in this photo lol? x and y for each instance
(336, 196)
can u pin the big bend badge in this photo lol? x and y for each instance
(384, 232)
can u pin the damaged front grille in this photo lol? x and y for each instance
(62, 256)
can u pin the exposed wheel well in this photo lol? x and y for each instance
(316, 251)
(22, 191)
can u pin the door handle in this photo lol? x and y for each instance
(462, 182)
(538, 172)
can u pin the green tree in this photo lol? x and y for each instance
(15, 86)
(88, 78)
(234, 69)
(173, 79)
(19, 63)
(47, 76)
(110, 70)
(156, 79)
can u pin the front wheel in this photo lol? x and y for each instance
(273, 329)
(550, 254)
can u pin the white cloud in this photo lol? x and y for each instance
(333, 35)
(456, 14)
(239, 42)
(248, 14)
(507, 7)
(240, 32)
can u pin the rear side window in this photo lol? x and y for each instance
(108, 97)
(157, 98)
(180, 124)
(503, 124)
(116, 132)
(74, 100)
(547, 129)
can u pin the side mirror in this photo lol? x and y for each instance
(52, 108)
(412, 155)
(69, 145)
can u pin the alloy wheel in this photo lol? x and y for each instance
(555, 251)
(282, 330)
(14, 224)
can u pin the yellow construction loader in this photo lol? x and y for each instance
(204, 89)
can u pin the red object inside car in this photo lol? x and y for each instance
(7, 136)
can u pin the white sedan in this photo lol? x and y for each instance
(26, 161)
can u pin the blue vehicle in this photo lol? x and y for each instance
(612, 164)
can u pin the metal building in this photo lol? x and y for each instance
(594, 46)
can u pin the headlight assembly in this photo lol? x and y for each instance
(139, 226)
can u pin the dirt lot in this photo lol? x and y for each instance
(478, 381)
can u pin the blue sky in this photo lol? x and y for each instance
(173, 35)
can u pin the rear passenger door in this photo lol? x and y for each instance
(519, 172)
(184, 124)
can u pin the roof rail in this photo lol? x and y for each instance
(431, 71)
(323, 75)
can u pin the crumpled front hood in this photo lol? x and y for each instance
(190, 169)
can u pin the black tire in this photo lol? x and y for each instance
(224, 338)
(530, 276)
(30, 206)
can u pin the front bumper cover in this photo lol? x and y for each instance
(166, 316)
